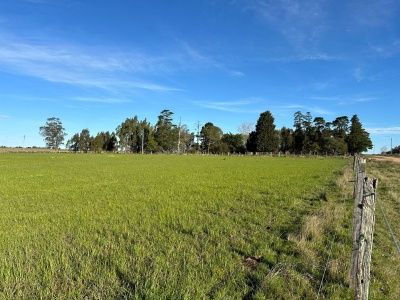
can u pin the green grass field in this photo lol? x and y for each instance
(77, 226)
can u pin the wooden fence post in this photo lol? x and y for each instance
(363, 230)
(360, 174)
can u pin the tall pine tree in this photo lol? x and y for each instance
(358, 139)
(267, 139)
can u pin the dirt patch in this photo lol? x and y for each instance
(251, 262)
(386, 158)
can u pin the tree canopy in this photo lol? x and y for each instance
(266, 138)
(53, 133)
(358, 139)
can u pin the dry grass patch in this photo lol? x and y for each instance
(324, 241)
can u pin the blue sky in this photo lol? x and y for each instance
(95, 63)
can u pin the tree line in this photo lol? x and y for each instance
(308, 136)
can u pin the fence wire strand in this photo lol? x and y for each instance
(388, 225)
(326, 267)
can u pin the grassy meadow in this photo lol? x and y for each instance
(81, 226)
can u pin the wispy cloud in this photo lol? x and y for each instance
(321, 111)
(236, 73)
(384, 130)
(289, 106)
(360, 75)
(34, 1)
(298, 107)
(344, 99)
(302, 57)
(367, 14)
(101, 100)
(387, 50)
(105, 69)
(301, 23)
(4, 117)
(239, 106)
(199, 58)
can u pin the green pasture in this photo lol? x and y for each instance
(82, 226)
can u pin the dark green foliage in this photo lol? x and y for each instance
(358, 139)
(251, 144)
(395, 150)
(210, 136)
(103, 141)
(267, 139)
(133, 133)
(166, 133)
(286, 140)
(234, 142)
(128, 134)
(331, 138)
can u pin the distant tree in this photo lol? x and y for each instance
(166, 133)
(197, 135)
(340, 127)
(234, 142)
(358, 139)
(128, 134)
(298, 133)
(267, 139)
(134, 135)
(286, 139)
(210, 135)
(219, 148)
(245, 129)
(338, 146)
(251, 144)
(53, 133)
(309, 144)
(319, 133)
(97, 144)
(109, 141)
(384, 150)
(73, 143)
(85, 140)
(186, 139)
(395, 150)
(146, 136)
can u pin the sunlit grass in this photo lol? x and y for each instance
(131, 226)
(385, 268)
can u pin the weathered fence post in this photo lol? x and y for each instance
(363, 230)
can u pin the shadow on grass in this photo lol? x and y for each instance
(129, 286)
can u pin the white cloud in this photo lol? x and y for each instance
(69, 64)
(239, 106)
(101, 100)
(384, 130)
(300, 58)
(4, 117)
(345, 99)
(236, 73)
